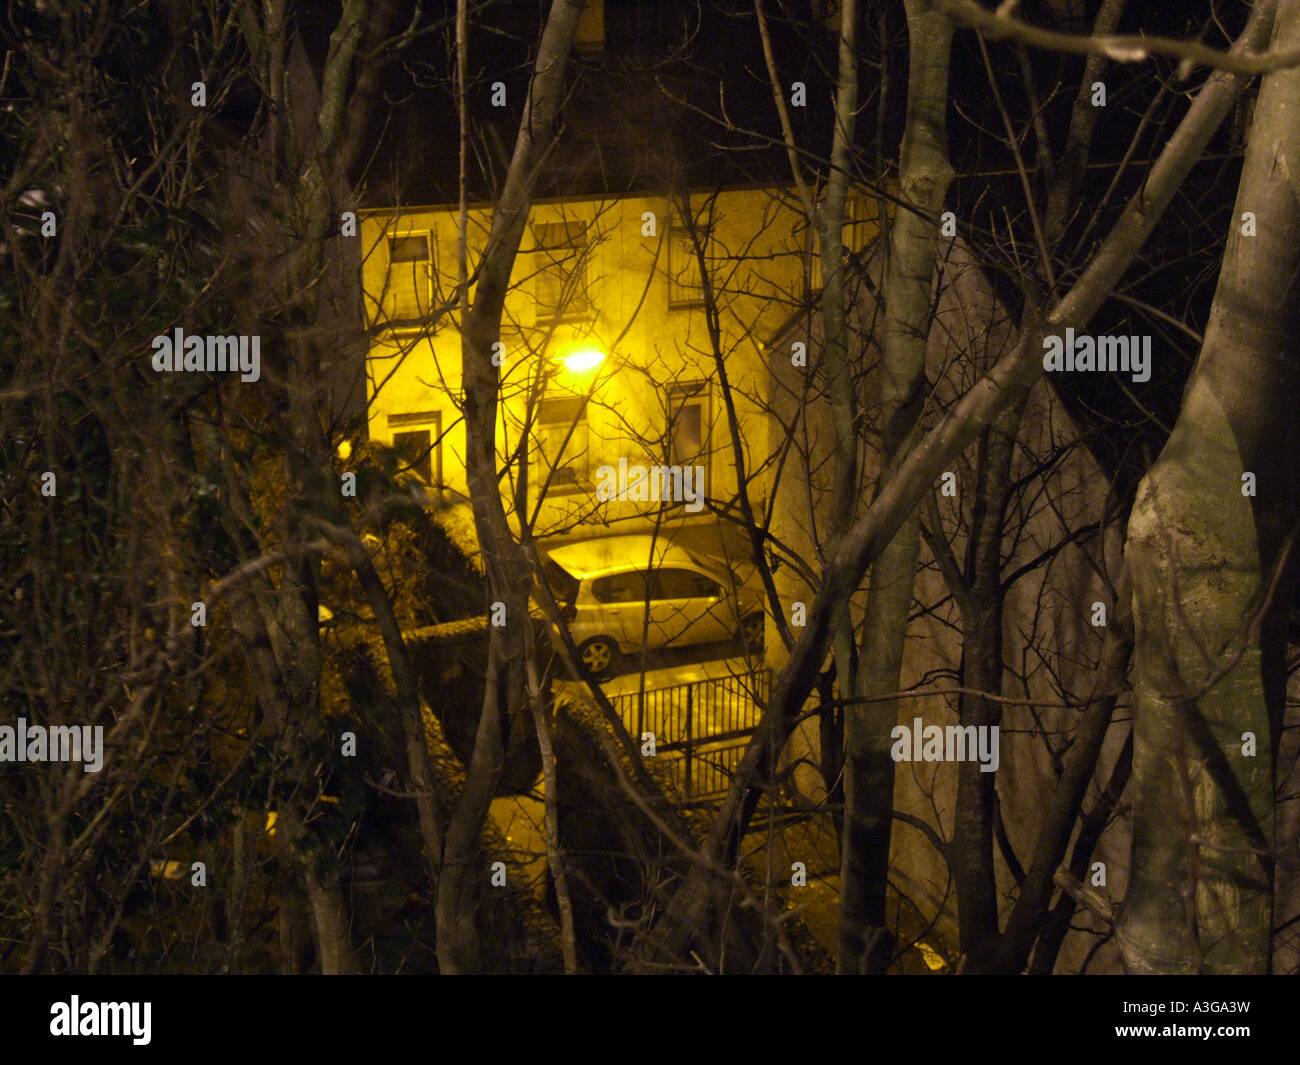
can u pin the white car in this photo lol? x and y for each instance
(621, 592)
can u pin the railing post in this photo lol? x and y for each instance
(690, 690)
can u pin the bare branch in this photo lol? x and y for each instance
(1119, 47)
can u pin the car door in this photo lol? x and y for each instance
(687, 607)
(621, 606)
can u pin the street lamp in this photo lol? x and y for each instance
(582, 359)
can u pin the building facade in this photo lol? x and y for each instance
(629, 323)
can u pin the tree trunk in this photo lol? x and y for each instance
(505, 562)
(1202, 549)
(1009, 379)
(981, 666)
(330, 917)
(1009, 951)
(909, 286)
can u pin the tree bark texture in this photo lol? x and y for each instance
(505, 561)
(1202, 552)
(909, 287)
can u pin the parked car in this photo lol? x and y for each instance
(619, 592)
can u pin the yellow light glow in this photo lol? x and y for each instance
(583, 359)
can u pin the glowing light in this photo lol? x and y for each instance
(583, 359)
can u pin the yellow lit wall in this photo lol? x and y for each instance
(758, 258)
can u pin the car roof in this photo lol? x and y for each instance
(613, 554)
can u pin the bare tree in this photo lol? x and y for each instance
(1002, 390)
(1209, 545)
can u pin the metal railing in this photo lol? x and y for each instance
(698, 726)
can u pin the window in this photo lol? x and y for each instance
(591, 27)
(562, 445)
(559, 264)
(636, 586)
(684, 286)
(683, 584)
(629, 587)
(409, 276)
(688, 424)
(417, 439)
(859, 230)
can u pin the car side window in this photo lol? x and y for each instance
(629, 587)
(684, 584)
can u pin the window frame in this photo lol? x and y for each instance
(546, 264)
(389, 306)
(416, 422)
(577, 430)
(677, 396)
(681, 246)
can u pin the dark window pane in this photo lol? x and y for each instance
(688, 423)
(688, 433)
(416, 449)
(412, 249)
(562, 444)
(559, 283)
(627, 587)
(684, 584)
(408, 275)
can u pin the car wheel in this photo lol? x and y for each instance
(751, 631)
(597, 657)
